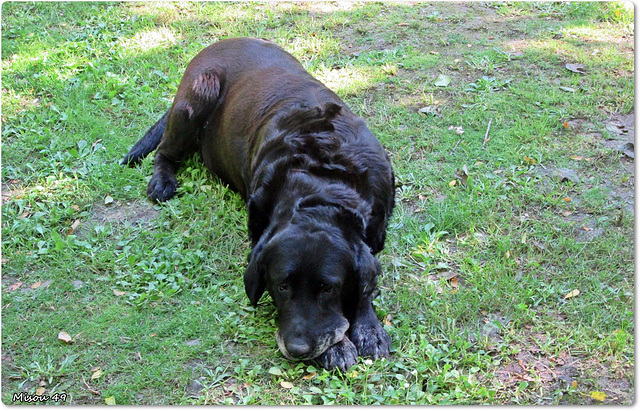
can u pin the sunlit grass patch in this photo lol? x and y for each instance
(149, 39)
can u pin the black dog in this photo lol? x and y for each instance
(319, 190)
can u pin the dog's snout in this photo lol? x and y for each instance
(298, 348)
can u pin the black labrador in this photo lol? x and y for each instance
(318, 185)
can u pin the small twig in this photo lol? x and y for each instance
(89, 388)
(456, 146)
(486, 135)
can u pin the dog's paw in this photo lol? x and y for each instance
(371, 340)
(341, 355)
(162, 186)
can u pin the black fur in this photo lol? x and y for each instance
(319, 190)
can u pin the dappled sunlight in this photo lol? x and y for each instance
(150, 39)
(347, 80)
(600, 33)
(325, 7)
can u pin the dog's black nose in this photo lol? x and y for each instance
(298, 349)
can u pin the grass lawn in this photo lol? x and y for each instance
(510, 127)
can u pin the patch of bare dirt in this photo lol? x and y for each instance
(564, 372)
(132, 212)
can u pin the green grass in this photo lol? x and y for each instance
(474, 277)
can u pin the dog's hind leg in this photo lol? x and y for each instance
(195, 100)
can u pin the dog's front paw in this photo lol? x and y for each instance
(162, 186)
(371, 340)
(341, 355)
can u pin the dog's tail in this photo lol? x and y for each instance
(147, 143)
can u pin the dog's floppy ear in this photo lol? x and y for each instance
(255, 281)
(367, 269)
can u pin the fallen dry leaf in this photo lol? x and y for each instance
(442, 81)
(97, 374)
(628, 150)
(433, 110)
(15, 286)
(572, 294)
(110, 400)
(529, 160)
(576, 68)
(598, 395)
(574, 384)
(566, 199)
(309, 376)
(118, 292)
(462, 175)
(453, 183)
(36, 284)
(454, 282)
(75, 225)
(40, 391)
(64, 337)
(286, 384)
(108, 200)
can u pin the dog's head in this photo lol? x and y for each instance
(317, 269)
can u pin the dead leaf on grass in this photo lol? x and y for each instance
(462, 175)
(442, 81)
(108, 200)
(40, 391)
(35, 285)
(309, 376)
(598, 395)
(286, 384)
(110, 400)
(15, 286)
(75, 225)
(572, 294)
(118, 293)
(576, 68)
(628, 150)
(458, 129)
(64, 337)
(568, 89)
(96, 374)
(617, 128)
(433, 110)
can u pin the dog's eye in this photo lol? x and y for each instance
(283, 287)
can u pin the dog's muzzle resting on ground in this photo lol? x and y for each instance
(318, 185)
